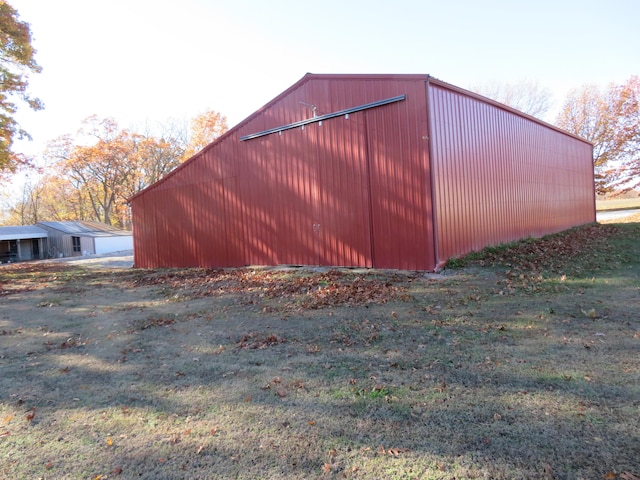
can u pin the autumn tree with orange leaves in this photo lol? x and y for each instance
(17, 61)
(91, 175)
(100, 168)
(610, 119)
(205, 128)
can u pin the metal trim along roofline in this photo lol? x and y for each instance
(327, 116)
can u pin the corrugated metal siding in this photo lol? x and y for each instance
(400, 183)
(350, 191)
(500, 176)
(60, 243)
(334, 178)
(358, 190)
(344, 232)
(86, 245)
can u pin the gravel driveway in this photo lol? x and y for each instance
(122, 259)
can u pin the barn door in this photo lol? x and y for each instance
(322, 213)
(343, 219)
(294, 161)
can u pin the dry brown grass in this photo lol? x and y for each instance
(523, 364)
(618, 204)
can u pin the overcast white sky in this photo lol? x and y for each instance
(152, 60)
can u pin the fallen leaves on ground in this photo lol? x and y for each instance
(327, 468)
(298, 288)
(151, 322)
(591, 313)
(629, 476)
(31, 414)
(530, 263)
(555, 253)
(254, 341)
(31, 276)
(395, 452)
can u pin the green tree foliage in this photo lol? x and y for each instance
(17, 61)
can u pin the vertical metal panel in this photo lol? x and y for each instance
(257, 194)
(343, 225)
(167, 207)
(295, 191)
(86, 245)
(400, 180)
(59, 243)
(500, 176)
(139, 226)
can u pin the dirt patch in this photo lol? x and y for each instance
(523, 363)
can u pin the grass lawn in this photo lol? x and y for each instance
(520, 362)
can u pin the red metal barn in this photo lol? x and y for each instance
(386, 171)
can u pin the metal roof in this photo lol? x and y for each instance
(22, 232)
(85, 228)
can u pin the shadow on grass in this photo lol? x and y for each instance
(457, 381)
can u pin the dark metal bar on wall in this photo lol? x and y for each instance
(320, 118)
